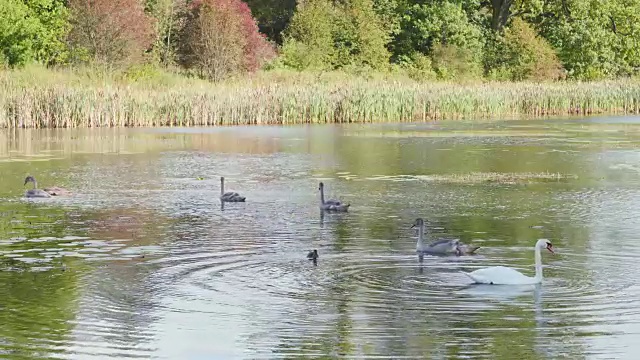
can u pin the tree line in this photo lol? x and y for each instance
(426, 39)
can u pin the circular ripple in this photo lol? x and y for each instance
(383, 290)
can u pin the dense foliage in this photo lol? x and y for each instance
(425, 39)
(32, 30)
(109, 32)
(220, 39)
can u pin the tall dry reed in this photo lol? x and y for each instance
(57, 103)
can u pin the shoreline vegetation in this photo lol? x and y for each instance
(105, 63)
(36, 97)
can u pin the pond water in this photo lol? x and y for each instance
(143, 262)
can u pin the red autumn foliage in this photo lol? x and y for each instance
(111, 31)
(258, 48)
(229, 28)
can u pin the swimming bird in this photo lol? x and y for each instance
(501, 275)
(52, 191)
(46, 193)
(442, 246)
(229, 196)
(331, 205)
(313, 255)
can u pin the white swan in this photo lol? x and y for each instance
(501, 275)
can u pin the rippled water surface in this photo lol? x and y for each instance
(143, 262)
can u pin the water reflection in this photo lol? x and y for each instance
(145, 261)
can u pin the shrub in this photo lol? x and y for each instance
(452, 62)
(521, 54)
(32, 31)
(169, 18)
(418, 66)
(530, 56)
(221, 39)
(346, 35)
(110, 32)
(360, 37)
(429, 24)
(308, 40)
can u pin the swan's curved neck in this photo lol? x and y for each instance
(538, 257)
(420, 243)
(322, 195)
(221, 186)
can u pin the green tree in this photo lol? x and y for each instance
(446, 31)
(502, 11)
(523, 55)
(324, 35)
(360, 37)
(389, 14)
(428, 23)
(169, 19)
(595, 38)
(273, 16)
(308, 41)
(33, 31)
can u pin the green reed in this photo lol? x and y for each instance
(62, 102)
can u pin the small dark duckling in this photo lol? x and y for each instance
(313, 255)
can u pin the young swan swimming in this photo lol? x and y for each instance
(442, 246)
(331, 205)
(229, 196)
(46, 192)
(313, 255)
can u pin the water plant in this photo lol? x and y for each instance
(75, 102)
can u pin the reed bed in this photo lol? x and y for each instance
(56, 103)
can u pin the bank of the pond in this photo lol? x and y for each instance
(57, 103)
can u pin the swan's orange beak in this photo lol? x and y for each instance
(550, 248)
